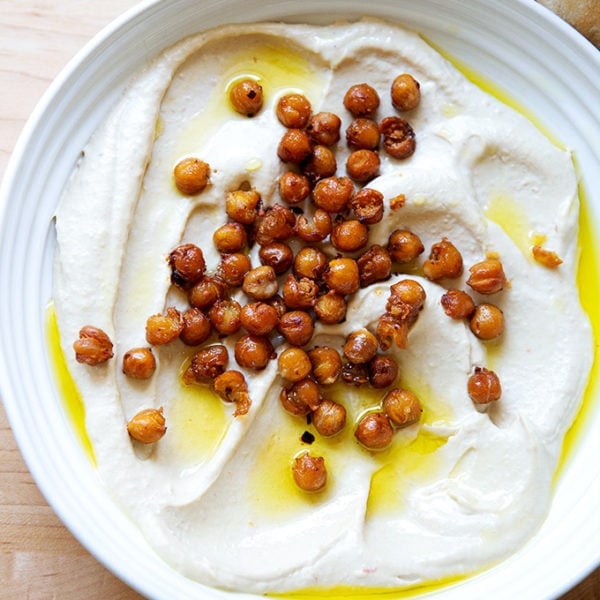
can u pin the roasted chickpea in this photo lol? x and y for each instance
(363, 165)
(333, 194)
(363, 134)
(299, 293)
(233, 268)
(297, 327)
(404, 246)
(207, 364)
(259, 318)
(309, 472)
(310, 262)
(246, 97)
(315, 231)
(406, 299)
(402, 407)
(457, 304)
(93, 347)
(326, 364)
(392, 330)
(329, 418)
(147, 426)
(191, 176)
(342, 276)
(360, 347)
(330, 308)
(278, 304)
(293, 110)
(405, 92)
(301, 397)
(324, 128)
(367, 205)
(374, 265)
(546, 257)
(231, 386)
(277, 255)
(383, 371)
(374, 431)
(230, 238)
(206, 292)
(487, 322)
(187, 265)
(196, 327)
(354, 374)
(444, 261)
(225, 317)
(349, 236)
(320, 164)
(399, 139)
(164, 328)
(484, 386)
(276, 224)
(361, 100)
(294, 364)
(295, 146)
(253, 351)
(139, 363)
(260, 283)
(487, 277)
(242, 205)
(294, 188)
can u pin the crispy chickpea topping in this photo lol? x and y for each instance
(444, 261)
(206, 292)
(293, 110)
(294, 364)
(295, 146)
(260, 283)
(363, 165)
(294, 188)
(392, 330)
(406, 299)
(363, 133)
(225, 316)
(405, 92)
(487, 277)
(457, 304)
(164, 328)
(315, 231)
(139, 363)
(310, 262)
(374, 265)
(147, 426)
(277, 255)
(326, 364)
(361, 100)
(276, 224)
(349, 236)
(191, 176)
(297, 327)
(546, 257)
(301, 397)
(330, 308)
(196, 327)
(374, 431)
(242, 206)
(367, 205)
(253, 351)
(402, 407)
(231, 386)
(259, 318)
(333, 194)
(404, 246)
(207, 364)
(399, 138)
(383, 371)
(320, 164)
(484, 386)
(233, 268)
(309, 472)
(324, 128)
(342, 275)
(93, 347)
(487, 322)
(187, 265)
(246, 97)
(360, 347)
(355, 374)
(299, 293)
(230, 237)
(329, 418)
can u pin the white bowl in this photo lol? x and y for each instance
(524, 49)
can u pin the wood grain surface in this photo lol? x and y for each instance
(39, 558)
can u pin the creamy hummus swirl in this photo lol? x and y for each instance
(454, 493)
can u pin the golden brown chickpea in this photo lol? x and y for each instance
(147, 426)
(342, 276)
(405, 92)
(242, 205)
(374, 431)
(231, 386)
(295, 146)
(309, 472)
(407, 298)
(253, 351)
(404, 246)
(546, 257)
(487, 277)
(363, 134)
(206, 292)
(277, 255)
(367, 205)
(315, 231)
(191, 176)
(310, 262)
(294, 187)
(326, 364)
(187, 265)
(363, 165)
(259, 318)
(260, 283)
(297, 327)
(196, 327)
(484, 386)
(299, 293)
(329, 418)
(383, 371)
(349, 236)
(402, 407)
(275, 224)
(457, 304)
(246, 97)
(392, 330)
(361, 100)
(333, 193)
(320, 164)
(330, 308)
(139, 363)
(360, 347)
(230, 238)
(300, 396)
(374, 265)
(324, 128)
(487, 322)
(399, 139)
(233, 268)
(207, 364)
(293, 110)
(278, 304)
(294, 364)
(164, 328)
(93, 347)
(355, 374)
(224, 316)
(444, 261)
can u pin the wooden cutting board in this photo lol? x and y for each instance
(39, 558)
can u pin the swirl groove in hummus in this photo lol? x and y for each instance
(462, 489)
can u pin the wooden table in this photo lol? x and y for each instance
(39, 558)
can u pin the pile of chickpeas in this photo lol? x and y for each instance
(312, 262)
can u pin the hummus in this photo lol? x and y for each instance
(464, 487)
